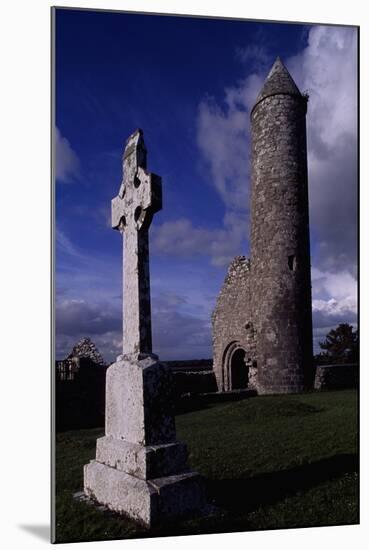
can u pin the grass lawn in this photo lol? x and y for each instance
(270, 462)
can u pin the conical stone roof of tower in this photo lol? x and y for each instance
(278, 81)
(86, 348)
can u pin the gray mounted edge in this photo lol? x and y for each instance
(52, 280)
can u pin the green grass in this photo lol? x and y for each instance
(270, 462)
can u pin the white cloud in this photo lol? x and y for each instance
(327, 69)
(101, 320)
(334, 301)
(79, 316)
(223, 140)
(177, 333)
(109, 344)
(330, 313)
(67, 163)
(340, 285)
(181, 238)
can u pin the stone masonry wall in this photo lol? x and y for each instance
(264, 306)
(333, 377)
(232, 319)
(280, 251)
(87, 349)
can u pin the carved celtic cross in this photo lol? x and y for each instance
(133, 208)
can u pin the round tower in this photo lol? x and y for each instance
(280, 249)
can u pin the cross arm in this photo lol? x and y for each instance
(116, 212)
(150, 186)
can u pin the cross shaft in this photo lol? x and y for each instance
(133, 208)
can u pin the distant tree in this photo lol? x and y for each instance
(340, 345)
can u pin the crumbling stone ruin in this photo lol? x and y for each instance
(229, 328)
(68, 368)
(87, 349)
(333, 377)
(262, 321)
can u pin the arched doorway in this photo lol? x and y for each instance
(235, 368)
(239, 370)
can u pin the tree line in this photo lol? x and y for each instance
(341, 345)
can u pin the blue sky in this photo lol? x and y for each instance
(189, 83)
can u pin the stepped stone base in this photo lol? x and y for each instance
(147, 501)
(141, 470)
(140, 461)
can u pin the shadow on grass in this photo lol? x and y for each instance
(231, 501)
(193, 403)
(249, 494)
(235, 499)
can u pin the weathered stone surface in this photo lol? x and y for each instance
(86, 349)
(278, 81)
(120, 491)
(280, 249)
(145, 462)
(149, 502)
(138, 199)
(139, 402)
(232, 323)
(331, 377)
(264, 311)
(140, 468)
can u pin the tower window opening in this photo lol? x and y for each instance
(292, 262)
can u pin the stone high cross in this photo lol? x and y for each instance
(133, 208)
(141, 470)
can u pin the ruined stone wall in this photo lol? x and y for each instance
(333, 377)
(194, 382)
(86, 349)
(280, 252)
(232, 320)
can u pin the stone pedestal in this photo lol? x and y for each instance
(141, 469)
